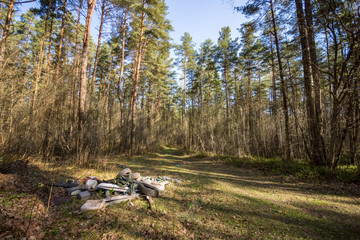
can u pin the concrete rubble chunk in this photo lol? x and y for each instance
(72, 189)
(111, 187)
(91, 184)
(85, 195)
(159, 186)
(92, 205)
(107, 194)
(131, 183)
(98, 204)
(74, 193)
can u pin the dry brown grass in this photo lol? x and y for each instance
(214, 201)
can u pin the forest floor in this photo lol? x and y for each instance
(214, 201)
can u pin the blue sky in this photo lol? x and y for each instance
(203, 18)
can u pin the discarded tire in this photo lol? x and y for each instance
(148, 190)
(125, 173)
(135, 176)
(159, 186)
(68, 184)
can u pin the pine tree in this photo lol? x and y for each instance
(5, 33)
(185, 51)
(227, 54)
(83, 74)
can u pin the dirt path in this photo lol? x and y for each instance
(213, 201)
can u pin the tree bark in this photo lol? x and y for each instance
(84, 61)
(75, 66)
(5, 33)
(121, 84)
(56, 77)
(283, 86)
(57, 70)
(315, 146)
(249, 100)
(316, 81)
(227, 95)
(185, 70)
(274, 104)
(136, 77)
(40, 61)
(97, 51)
(184, 105)
(48, 59)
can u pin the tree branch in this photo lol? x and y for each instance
(9, 2)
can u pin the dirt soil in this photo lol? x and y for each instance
(213, 201)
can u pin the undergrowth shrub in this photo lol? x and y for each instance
(298, 169)
(203, 155)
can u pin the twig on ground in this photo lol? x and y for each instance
(31, 212)
(151, 203)
(48, 205)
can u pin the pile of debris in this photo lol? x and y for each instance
(126, 186)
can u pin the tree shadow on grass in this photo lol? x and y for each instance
(24, 198)
(299, 216)
(171, 151)
(28, 178)
(261, 218)
(309, 220)
(208, 168)
(255, 217)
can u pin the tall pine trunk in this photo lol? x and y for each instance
(283, 86)
(250, 107)
(136, 77)
(75, 67)
(48, 59)
(315, 146)
(274, 104)
(227, 96)
(97, 51)
(40, 62)
(5, 33)
(318, 138)
(56, 78)
(57, 70)
(184, 105)
(84, 62)
(122, 68)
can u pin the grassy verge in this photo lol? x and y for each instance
(213, 201)
(297, 170)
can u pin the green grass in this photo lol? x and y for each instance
(296, 169)
(9, 199)
(215, 200)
